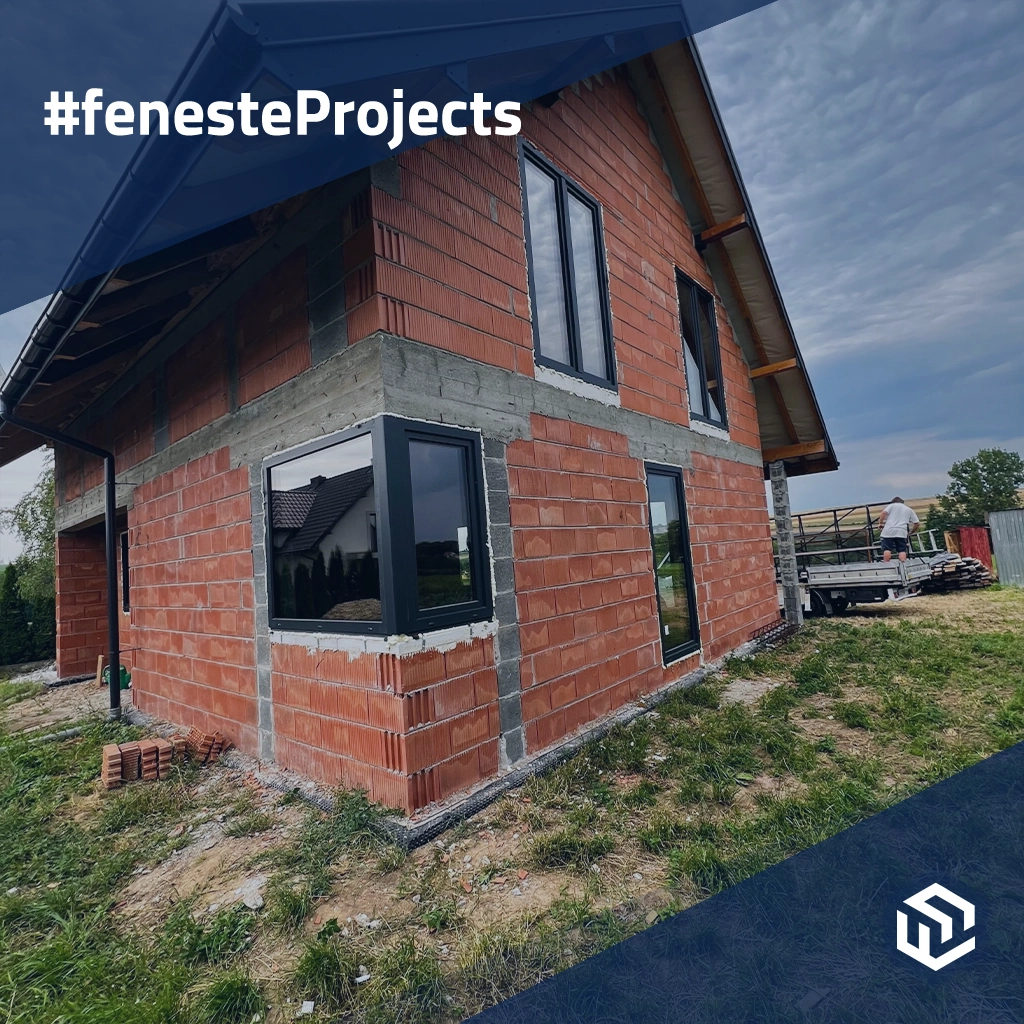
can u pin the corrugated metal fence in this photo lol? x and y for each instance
(1008, 542)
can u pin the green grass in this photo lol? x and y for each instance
(699, 795)
(305, 866)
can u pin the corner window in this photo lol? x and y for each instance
(700, 352)
(380, 530)
(673, 571)
(568, 279)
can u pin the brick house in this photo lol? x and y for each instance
(422, 471)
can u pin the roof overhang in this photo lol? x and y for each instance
(92, 333)
(673, 86)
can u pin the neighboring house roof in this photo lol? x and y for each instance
(332, 498)
(290, 508)
(105, 338)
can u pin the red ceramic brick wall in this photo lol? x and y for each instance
(446, 264)
(272, 329)
(196, 399)
(588, 613)
(192, 598)
(81, 583)
(409, 730)
(730, 538)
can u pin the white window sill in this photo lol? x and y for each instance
(709, 429)
(353, 643)
(575, 386)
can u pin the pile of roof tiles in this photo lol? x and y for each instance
(152, 759)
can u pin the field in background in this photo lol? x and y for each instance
(129, 905)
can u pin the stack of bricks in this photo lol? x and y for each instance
(130, 761)
(152, 759)
(165, 757)
(150, 765)
(111, 771)
(204, 747)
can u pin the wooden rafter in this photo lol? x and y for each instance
(719, 231)
(794, 451)
(773, 368)
(661, 97)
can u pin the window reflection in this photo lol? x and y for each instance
(546, 264)
(671, 566)
(324, 535)
(441, 524)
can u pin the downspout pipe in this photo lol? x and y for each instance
(110, 522)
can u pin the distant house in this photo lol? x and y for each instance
(423, 471)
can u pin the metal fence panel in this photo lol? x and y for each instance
(1008, 542)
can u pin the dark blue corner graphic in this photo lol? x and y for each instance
(815, 938)
(140, 199)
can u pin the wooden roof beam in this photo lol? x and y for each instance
(773, 368)
(794, 451)
(717, 232)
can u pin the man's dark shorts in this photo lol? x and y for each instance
(897, 544)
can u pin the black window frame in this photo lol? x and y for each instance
(695, 295)
(400, 613)
(564, 187)
(670, 655)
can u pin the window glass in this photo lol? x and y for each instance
(671, 562)
(705, 316)
(546, 264)
(694, 386)
(700, 352)
(440, 500)
(323, 535)
(588, 287)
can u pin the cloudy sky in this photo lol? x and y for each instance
(883, 147)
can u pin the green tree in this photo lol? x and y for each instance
(15, 637)
(986, 482)
(303, 593)
(32, 520)
(321, 600)
(336, 576)
(285, 593)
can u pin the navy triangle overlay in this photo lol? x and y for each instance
(814, 938)
(140, 199)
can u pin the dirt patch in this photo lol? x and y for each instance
(984, 610)
(62, 704)
(747, 691)
(767, 786)
(210, 868)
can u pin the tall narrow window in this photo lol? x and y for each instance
(700, 352)
(568, 280)
(379, 530)
(673, 573)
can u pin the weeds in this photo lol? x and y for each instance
(570, 848)
(233, 998)
(326, 971)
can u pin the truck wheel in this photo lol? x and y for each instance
(818, 606)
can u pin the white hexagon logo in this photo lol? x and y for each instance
(922, 951)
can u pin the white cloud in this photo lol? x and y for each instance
(883, 148)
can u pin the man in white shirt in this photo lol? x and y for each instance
(898, 522)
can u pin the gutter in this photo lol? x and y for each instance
(110, 513)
